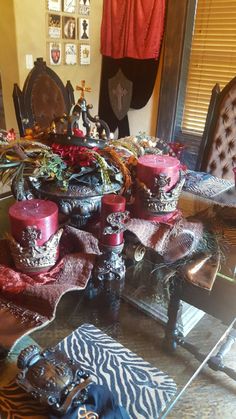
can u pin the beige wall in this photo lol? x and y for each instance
(8, 58)
(23, 31)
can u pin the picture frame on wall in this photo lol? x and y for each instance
(69, 27)
(54, 25)
(84, 29)
(54, 5)
(84, 2)
(84, 54)
(70, 54)
(69, 6)
(84, 9)
(55, 53)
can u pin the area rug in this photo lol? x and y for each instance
(142, 389)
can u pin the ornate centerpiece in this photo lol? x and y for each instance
(75, 163)
(67, 129)
(70, 165)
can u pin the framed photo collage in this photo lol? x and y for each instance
(68, 32)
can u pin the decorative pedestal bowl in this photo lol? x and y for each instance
(79, 202)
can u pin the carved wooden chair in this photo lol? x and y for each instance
(43, 98)
(217, 154)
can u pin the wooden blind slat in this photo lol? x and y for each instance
(212, 59)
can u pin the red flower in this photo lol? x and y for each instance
(74, 155)
(78, 132)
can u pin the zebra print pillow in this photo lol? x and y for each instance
(140, 388)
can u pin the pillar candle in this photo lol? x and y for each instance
(111, 203)
(152, 165)
(43, 217)
(148, 167)
(35, 212)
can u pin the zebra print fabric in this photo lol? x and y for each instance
(140, 388)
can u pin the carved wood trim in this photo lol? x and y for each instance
(205, 143)
(22, 99)
(177, 41)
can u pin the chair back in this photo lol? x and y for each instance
(43, 98)
(217, 153)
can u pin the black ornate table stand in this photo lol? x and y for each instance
(109, 273)
(110, 265)
(108, 281)
(104, 298)
(173, 337)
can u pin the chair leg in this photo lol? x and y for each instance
(170, 341)
(173, 338)
(217, 362)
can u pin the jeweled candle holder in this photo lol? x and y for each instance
(158, 185)
(110, 263)
(34, 238)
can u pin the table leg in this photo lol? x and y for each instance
(171, 329)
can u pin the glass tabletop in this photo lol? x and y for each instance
(134, 312)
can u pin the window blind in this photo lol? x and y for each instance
(212, 58)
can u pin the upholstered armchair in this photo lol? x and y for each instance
(217, 154)
(43, 98)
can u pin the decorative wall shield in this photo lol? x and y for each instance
(120, 94)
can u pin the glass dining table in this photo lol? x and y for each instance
(171, 328)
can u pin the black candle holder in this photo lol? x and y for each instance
(110, 264)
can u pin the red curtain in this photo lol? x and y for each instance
(132, 28)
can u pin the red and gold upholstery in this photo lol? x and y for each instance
(217, 153)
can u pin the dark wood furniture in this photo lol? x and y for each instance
(217, 153)
(42, 99)
(220, 301)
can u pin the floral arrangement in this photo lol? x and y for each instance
(28, 158)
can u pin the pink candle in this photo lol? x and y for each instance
(111, 203)
(35, 212)
(151, 165)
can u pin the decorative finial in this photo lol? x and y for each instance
(83, 89)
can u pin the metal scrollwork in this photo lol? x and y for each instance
(160, 201)
(31, 257)
(117, 222)
(110, 265)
